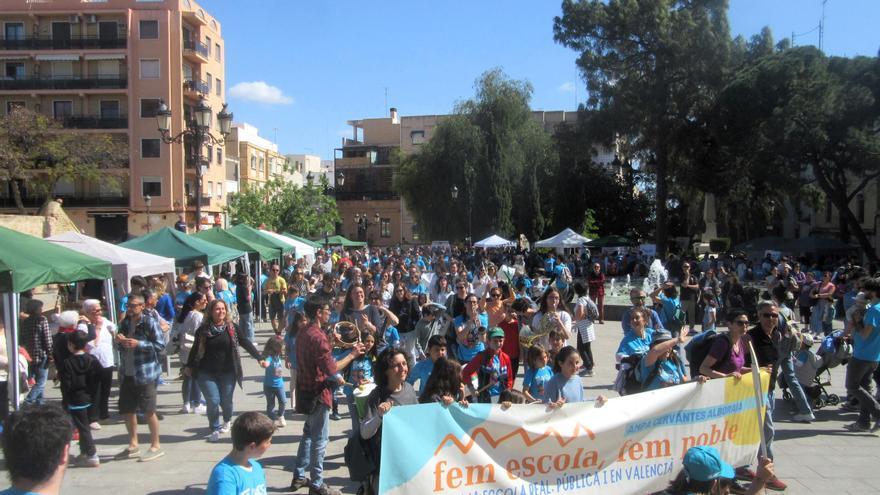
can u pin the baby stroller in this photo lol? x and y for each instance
(833, 352)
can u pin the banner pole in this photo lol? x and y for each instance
(759, 398)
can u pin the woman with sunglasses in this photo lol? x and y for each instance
(727, 356)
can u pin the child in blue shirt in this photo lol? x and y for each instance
(565, 386)
(293, 304)
(239, 472)
(273, 380)
(359, 372)
(392, 337)
(537, 374)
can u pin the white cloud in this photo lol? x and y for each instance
(260, 92)
(566, 87)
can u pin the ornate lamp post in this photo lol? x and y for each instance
(199, 130)
(454, 193)
(363, 223)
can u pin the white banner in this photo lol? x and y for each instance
(632, 444)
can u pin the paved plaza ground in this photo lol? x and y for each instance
(812, 458)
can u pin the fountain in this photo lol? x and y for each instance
(617, 294)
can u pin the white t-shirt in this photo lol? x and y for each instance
(537, 327)
(103, 352)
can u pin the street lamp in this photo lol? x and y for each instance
(340, 178)
(310, 178)
(454, 192)
(199, 130)
(148, 200)
(363, 223)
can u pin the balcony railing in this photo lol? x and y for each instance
(82, 200)
(94, 82)
(200, 87)
(73, 43)
(366, 195)
(196, 47)
(84, 122)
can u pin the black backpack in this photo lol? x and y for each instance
(631, 383)
(698, 348)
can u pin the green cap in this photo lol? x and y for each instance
(495, 332)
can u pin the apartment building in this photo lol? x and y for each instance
(370, 208)
(103, 67)
(258, 158)
(304, 166)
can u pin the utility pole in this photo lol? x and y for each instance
(822, 26)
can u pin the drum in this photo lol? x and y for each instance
(360, 394)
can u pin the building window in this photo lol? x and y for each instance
(417, 137)
(109, 109)
(151, 186)
(62, 109)
(860, 208)
(385, 227)
(219, 86)
(12, 105)
(14, 31)
(150, 148)
(14, 70)
(217, 51)
(208, 44)
(149, 107)
(827, 209)
(210, 190)
(219, 155)
(209, 80)
(253, 163)
(149, 30)
(219, 190)
(209, 155)
(150, 68)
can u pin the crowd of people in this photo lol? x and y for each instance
(383, 328)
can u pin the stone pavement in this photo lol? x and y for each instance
(812, 458)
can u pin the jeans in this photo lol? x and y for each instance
(40, 372)
(246, 323)
(786, 367)
(858, 383)
(80, 419)
(217, 389)
(190, 391)
(768, 424)
(310, 454)
(273, 394)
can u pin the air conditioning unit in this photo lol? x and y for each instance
(92, 19)
(74, 19)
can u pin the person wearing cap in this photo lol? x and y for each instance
(661, 366)
(492, 367)
(704, 472)
(183, 291)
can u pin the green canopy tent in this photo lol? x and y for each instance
(611, 241)
(185, 249)
(338, 240)
(230, 240)
(247, 232)
(27, 262)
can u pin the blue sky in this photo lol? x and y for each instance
(315, 64)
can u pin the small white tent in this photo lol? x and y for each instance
(126, 262)
(494, 241)
(565, 239)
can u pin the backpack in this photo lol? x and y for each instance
(698, 348)
(566, 275)
(357, 454)
(630, 382)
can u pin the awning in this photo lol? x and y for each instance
(14, 57)
(58, 58)
(104, 56)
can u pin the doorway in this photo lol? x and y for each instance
(112, 228)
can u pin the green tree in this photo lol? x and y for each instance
(36, 150)
(651, 67)
(497, 157)
(286, 207)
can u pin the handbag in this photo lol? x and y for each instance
(357, 458)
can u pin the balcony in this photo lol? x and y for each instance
(84, 122)
(73, 43)
(195, 89)
(64, 83)
(366, 195)
(190, 200)
(80, 200)
(195, 51)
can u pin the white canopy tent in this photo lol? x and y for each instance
(565, 239)
(303, 250)
(494, 241)
(126, 262)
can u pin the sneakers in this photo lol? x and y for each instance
(200, 409)
(776, 485)
(803, 418)
(335, 416)
(226, 426)
(280, 422)
(186, 409)
(94, 425)
(84, 460)
(743, 473)
(214, 437)
(323, 490)
(298, 483)
(128, 453)
(856, 427)
(152, 455)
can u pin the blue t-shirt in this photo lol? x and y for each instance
(420, 372)
(667, 313)
(228, 478)
(668, 373)
(16, 491)
(274, 376)
(290, 345)
(560, 283)
(416, 289)
(537, 380)
(633, 344)
(181, 296)
(549, 265)
(474, 345)
(869, 349)
(292, 306)
(392, 337)
(571, 389)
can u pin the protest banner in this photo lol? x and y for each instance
(633, 444)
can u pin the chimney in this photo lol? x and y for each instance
(394, 118)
